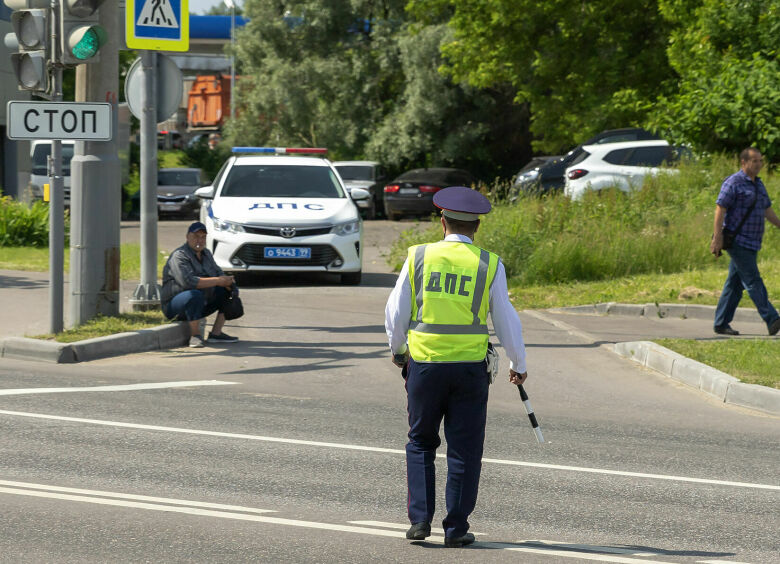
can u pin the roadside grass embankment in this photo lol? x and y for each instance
(648, 246)
(36, 259)
(108, 325)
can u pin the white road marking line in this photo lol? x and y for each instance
(203, 512)
(385, 450)
(116, 388)
(135, 497)
(399, 526)
(565, 326)
(571, 554)
(591, 547)
(286, 522)
(720, 562)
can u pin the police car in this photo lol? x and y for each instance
(274, 209)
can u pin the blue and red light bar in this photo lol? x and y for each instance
(282, 150)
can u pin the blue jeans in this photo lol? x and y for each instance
(192, 305)
(743, 274)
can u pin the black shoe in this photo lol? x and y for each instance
(727, 330)
(222, 338)
(457, 542)
(419, 531)
(775, 327)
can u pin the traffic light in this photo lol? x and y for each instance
(31, 36)
(81, 36)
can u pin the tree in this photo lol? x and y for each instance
(357, 77)
(582, 67)
(728, 93)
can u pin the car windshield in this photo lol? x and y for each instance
(354, 172)
(178, 178)
(281, 181)
(42, 152)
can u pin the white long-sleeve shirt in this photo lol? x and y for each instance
(509, 330)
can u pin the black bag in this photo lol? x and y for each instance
(233, 307)
(728, 238)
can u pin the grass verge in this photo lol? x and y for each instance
(754, 361)
(36, 259)
(102, 326)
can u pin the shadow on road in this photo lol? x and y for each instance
(310, 279)
(22, 282)
(541, 547)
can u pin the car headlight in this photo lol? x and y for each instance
(348, 228)
(229, 226)
(527, 177)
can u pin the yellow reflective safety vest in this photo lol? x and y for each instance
(450, 301)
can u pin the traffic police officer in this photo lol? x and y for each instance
(436, 322)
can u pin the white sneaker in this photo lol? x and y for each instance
(196, 342)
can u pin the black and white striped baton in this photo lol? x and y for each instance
(530, 411)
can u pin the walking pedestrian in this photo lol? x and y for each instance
(741, 208)
(436, 322)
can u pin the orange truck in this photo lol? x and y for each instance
(208, 103)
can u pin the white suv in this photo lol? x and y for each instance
(617, 165)
(283, 213)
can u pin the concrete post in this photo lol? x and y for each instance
(96, 189)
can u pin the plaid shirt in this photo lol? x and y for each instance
(737, 195)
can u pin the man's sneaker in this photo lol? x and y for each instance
(457, 542)
(726, 330)
(775, 327)
(222, 338)
(419, 531)
(196, 342)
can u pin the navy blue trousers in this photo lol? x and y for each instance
(457, 393)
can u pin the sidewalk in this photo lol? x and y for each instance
(625, 329)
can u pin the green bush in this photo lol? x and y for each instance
(25, 226)
(663, 228)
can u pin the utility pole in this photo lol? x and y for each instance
(96, 189)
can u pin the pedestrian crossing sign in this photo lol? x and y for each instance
(157, 25)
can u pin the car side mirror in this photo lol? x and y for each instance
(206, 192)
(359, 194)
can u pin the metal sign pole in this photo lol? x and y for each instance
(56, 201)
(147, 293)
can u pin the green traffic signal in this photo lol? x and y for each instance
(85, 41)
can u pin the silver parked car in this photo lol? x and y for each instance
(176, 191)
(369, 175)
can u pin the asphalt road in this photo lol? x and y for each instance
(293, 452)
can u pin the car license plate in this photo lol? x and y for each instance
(170, 207)
(408, 190)
(287, 252)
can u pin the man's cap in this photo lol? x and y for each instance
(462, 203)
(195, 227)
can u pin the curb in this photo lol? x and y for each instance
(680, 311)
(161, 337)
(700, 376)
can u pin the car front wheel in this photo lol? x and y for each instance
(351, 278)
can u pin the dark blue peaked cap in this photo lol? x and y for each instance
(195, 227)
(460, 202)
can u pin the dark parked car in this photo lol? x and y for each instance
(369, 175)
(176, 191)
(412, 192)
(549, 176)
